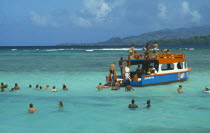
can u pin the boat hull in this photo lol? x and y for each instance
(158, 79)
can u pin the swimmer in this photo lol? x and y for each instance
(12, 89)
(132, 105)
(129, 88)
(148, 104)
(37, 86)
(2, 87)
(207, 89)
(30, 86)
(116, 86)
(60, 104)
(180, 90)
(40, 87)
(100, 87)
(47, 87)
(54, 89)
(31, 109)
(16, 87)
(64, 87)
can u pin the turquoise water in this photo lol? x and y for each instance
(87, 110)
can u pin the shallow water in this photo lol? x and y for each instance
(88, 110)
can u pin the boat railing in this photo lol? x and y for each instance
(156, 56)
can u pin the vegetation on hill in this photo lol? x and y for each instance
(193, 35)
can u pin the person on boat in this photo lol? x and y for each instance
(206, 89)
(154, 71)
(30, 86)
(60, 104)
(155, 48)
(100, 86)
(132, 105)
(112, 69)
(149, 71)
(148, 104)
(16, 87)
(180, 90)
(147, 53)
(54, 89)
(129, 88)
(138, 71)
(131, 51)
(121, 65)
(31, 109)
(127, 72)
(64, 87)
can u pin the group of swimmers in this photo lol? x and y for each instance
(133, 105)
(32, 109)
(16, 87)
(115, 87)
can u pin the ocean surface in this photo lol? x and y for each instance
(87, 110)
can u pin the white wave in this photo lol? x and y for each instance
(13, 49)
(89, 50)
(37, 49)
(191, 48)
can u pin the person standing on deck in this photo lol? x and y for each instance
(112, 69)
(121, 65)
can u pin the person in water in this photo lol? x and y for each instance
(132, 105)
(47, 87)
(54, 89)
(100, 86)
(37, 86)
(16, 87)
(2, 87)
(116, 86)
(129, 88)
(206, 89)
(60, 104)
(31, 109)
(121, 65)
(180, 90)
(148, 104)
(40, 87)
(30, 86)
(64, 87)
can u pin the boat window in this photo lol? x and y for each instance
(165, 67)
(180, 65)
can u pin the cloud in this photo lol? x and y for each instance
(98, 8)
(82, 22)
(96, 12)
(162, 11)
(41, 20)
(195, 15)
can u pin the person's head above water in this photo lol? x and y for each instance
(132, 101)
(148, 101)
(31, 105)
(53, 87)
(99, 83)
(60, 104)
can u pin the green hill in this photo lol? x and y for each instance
(166, 35)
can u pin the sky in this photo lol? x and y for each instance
(51, 22)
